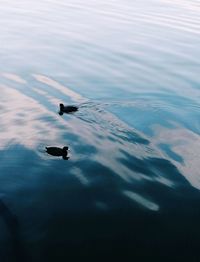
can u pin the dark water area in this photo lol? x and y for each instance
(130, 189)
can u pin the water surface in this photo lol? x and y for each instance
(131, 186)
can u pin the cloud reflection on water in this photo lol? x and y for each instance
(184, 143)
(97, 138)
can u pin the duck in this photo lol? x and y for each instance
(57, 151)
(67, 109)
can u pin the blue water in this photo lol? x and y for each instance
(130, 189)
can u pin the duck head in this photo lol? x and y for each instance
(61, 107)
(65, 148)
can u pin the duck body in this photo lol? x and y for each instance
(67, 109)
(57, 151)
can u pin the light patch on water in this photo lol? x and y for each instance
(141, 200)
(80, 176)
(101, 205)
(14, 77)
(65, 90)
(50, 98)
(39, 91)
(163, 180)
(160, 177)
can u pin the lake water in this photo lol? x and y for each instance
(130, 189)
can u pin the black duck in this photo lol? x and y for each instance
(67, 109)
(57, 151)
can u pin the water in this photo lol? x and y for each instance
(130, 189)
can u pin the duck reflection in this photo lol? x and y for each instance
(57, 151)
(67, 109)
